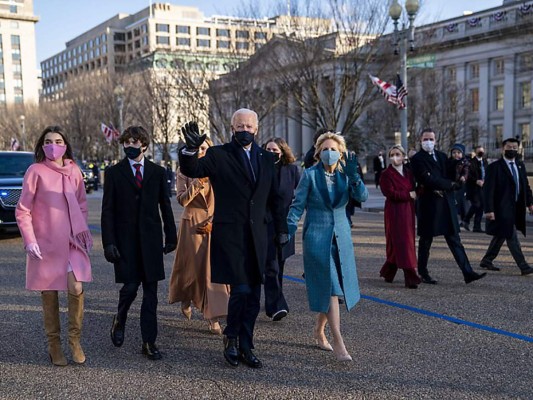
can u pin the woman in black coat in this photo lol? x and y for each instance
(288, 177)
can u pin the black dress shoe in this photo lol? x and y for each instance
(151, 351)
(279, 315)
(231, 354)
(489, 267)
(117, 332)
(250, 359)
(527, 271)
(478, 230)
(428, 279)
(474, 276)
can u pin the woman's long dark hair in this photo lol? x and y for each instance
(39, 152)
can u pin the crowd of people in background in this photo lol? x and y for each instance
(242, 202)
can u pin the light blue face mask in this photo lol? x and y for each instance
(330, 157)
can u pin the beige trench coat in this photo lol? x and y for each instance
(191, 274)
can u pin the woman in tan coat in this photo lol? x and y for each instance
(190, 281)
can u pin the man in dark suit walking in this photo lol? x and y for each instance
(245, 185)
(436, 214)
(474, 189)
(506, 194)
(379, 164)
(135, 192)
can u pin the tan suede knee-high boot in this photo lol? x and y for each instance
(53, 327)
(75, 320)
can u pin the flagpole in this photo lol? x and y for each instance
(403, 111)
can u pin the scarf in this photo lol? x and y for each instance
(81, 234)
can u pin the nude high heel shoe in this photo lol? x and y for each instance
(186, 309)
(341, 354)
(321, 341)
(214, 327)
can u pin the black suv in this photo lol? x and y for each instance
(13, 166)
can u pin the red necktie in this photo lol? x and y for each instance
(138, 175)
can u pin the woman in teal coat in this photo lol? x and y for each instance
(329, 262)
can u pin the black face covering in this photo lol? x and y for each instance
(510, 154)
(480, 154)
(244, 138)
(132, 152)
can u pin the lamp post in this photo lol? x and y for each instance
(23, 131)
(400, 42)
(119, 93)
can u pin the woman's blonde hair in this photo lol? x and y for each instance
(333, 136)
(399, 148)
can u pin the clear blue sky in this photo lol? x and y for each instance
(62, 20)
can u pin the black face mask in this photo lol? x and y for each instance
(480, 154)
(244, 138)
(510, 154)
(132, 152)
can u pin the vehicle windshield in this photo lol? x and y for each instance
(15, 164)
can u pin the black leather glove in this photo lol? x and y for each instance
(111, 253)
(191, 134)
(350, 165)
(281, 239)
(169, 248)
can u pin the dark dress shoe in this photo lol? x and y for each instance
(231, 354)
(117, 332)
(527, 271)
(250, 359)
(428, 279)
(474, 276)
(151, 351)
(489, 267)
(478, 230)
(411, 286)
(279, 315)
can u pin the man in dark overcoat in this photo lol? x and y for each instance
(135, 200)
(474, 189)
(506, 195)
(245, 186)
(436, 213)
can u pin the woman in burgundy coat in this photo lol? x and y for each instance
(397, 185)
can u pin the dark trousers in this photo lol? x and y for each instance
(243, 308)
(455, 246)
(460, 202)
(127, 295)
(476, 211)
(514, 247)
(274, 298)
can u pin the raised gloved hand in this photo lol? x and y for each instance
(191, 134)
(111, 253)
(350, 165)
(281, 239)
(34, 251)
(169, 248)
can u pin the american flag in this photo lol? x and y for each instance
(401, 92)
(110, 133)
(393, 94)
(14, 144)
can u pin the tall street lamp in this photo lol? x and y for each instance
(23, 131)
(400, 42)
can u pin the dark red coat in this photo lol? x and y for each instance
(399, 217)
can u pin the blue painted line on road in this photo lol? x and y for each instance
(436, 315)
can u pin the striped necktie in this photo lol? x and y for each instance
(138, 175)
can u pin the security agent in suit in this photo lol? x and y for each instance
(245, 185)
(506, 195)
(474, 189)
(135, 192)
(436, 208)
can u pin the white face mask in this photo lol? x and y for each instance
(396, 160)
(428, 145)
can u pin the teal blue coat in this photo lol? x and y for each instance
(323, 220)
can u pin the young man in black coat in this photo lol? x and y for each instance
(245, 184)
(135, 193)
(436, 214)
(506, 194)
(474, 189)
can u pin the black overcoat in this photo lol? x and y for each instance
(499, 198)
(131, 220)
(474, 192)
(436, 214)
(240, 210)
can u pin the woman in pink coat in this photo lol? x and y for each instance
(52, 218)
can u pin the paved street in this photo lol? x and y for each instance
(449, 341)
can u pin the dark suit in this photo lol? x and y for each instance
(378, 168)
(499, 193)
(289, 176)
(131, 221)
(436, 213)
(239, 238)
(474, 192)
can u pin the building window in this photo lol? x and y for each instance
(203, 31)
(181, 41)
(524, 95)
(242, 34)
(474, 71)
(137, 44)
(242, 45)
(183, 29)
(97, 41)
(162, 28)
(499, 66)
(451, 73)
(524, 130)
(15, 41)
(144, 40)
(137, 32)
(119, 36)
(260, 35)
(203, 43)
(498, 98)
(162, 40)
(223, 44)
(13, 9)
(498, 134)
(144, 28)
(223, 32)
(129, 35)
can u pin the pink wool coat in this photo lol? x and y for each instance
(43, 218)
